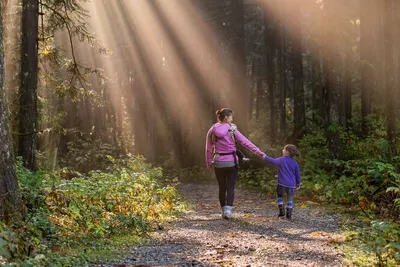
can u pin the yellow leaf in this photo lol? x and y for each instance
(318, 233)
(303, 206)
(333, 240)
(223, 260)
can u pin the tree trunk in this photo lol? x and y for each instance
(330, 116)
(347, 90)
(281, 62)
(390, 79)
(28, 90)
(299, 123)
(271, 37)
(367, 12)
(314, 73)
(240, 94)
(329, 94)
(283, 83)
(9, 193)
(259, 96)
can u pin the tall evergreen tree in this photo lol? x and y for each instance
(9, 193)
(367, 13)
(28, 89)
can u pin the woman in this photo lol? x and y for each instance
(221, 153)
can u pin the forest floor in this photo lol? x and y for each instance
(254, 237)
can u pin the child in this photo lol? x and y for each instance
(288, 178)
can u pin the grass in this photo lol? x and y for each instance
(106, 250)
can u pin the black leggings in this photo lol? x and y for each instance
(226, 181)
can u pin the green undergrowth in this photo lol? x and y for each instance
(109, 250)
(371, 242)
(189, 175)
(74, 218)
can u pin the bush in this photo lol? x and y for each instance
(84, 155)
(126, 197)
(262, 178)
(376, 242)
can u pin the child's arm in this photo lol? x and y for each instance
(298, 176)
(272, 160)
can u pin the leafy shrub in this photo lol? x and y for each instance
(104, 202)
(263, 178)
(191, 175)
(127, 197)
(378, 243)
(384, 238)
(84, 155)
(363, 174)
(21, 244)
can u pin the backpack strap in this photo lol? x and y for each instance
(232, 130)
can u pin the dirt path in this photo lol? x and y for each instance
(255, 237)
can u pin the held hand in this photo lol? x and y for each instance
(262, 156)
(298, 187)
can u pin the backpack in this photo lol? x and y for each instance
(235, 153)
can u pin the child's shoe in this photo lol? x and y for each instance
(289, 213)
(281, 211)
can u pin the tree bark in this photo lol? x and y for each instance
(367, 59)
(271, 37)
(9, 193)
(299, 123)
(390, 79)
(347, 90)
(28, 89)
(282, 62)
(241, 95)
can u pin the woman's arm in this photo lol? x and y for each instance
(209, 148)
(247, 144)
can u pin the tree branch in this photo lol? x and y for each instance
(69, 34)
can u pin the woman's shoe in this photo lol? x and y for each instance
(227, 212)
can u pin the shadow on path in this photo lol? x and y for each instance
(255, 237)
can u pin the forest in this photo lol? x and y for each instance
(105, 106)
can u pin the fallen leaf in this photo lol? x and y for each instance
(223, 260)
(318, 234)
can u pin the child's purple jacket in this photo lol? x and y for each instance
(288, 170)
(225, 144)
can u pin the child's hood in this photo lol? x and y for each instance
(221, 129)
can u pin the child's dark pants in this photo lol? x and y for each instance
(226, 181)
